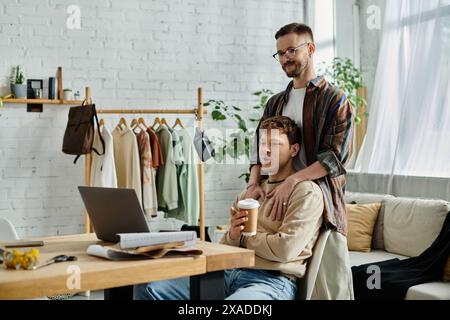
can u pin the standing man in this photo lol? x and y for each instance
(326, 118)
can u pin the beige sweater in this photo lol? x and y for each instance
(126, 157)
(286, 245)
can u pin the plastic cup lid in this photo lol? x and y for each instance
(248, 204)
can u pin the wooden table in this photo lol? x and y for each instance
(118, 277)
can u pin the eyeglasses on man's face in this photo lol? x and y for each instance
(289, 53)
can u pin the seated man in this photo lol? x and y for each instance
(281, 247)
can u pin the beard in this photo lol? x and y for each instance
(297, 70)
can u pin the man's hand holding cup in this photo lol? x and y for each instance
(237, 222)
(245, 219)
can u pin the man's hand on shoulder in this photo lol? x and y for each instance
(255, 191)
(279, 199)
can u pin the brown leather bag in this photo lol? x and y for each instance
(79, 134)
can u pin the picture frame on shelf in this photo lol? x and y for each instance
(35, 89)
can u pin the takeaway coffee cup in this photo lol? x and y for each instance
(251, 206)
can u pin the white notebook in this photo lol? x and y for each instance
(136, 240)
(107, 253)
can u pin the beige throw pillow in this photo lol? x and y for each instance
(361, 222)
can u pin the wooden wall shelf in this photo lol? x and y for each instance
(42, 101)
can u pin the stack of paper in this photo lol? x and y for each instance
(148, 245)
(136, 240)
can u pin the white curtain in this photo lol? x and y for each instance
(409, 122)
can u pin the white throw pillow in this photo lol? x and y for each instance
(411, 225)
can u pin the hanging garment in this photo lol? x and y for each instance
(178, 155)
(103, 168)
(188, 202)
(157, 157)
(178, 158)
(166, 178)
(126, 156)
(203, 145)
(149, 198)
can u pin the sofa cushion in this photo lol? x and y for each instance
(429, 291)
(361, 222)
(359, 258)
(411, 225)
(364, 198)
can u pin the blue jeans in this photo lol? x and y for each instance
(240, 284)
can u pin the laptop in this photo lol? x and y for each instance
(113, 211)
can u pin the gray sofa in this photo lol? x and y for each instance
(405, 228)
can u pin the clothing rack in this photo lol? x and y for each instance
(198, 112)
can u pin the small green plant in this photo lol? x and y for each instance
(243, 136)
(343, 74)
(17, 76)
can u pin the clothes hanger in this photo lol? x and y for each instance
(156, 124)
(157, 121)
(134, 124)
(122, 122)
(142, 122)
(178, 122)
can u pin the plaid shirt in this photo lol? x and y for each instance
(328, 125)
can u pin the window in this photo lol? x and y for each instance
(409, 124)
(323, 27)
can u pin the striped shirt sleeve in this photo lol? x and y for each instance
(336, 148)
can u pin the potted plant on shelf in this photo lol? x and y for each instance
(18, 85)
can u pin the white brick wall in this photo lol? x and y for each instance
(132, 54)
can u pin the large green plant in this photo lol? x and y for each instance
(245, 121)
(342, 73)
